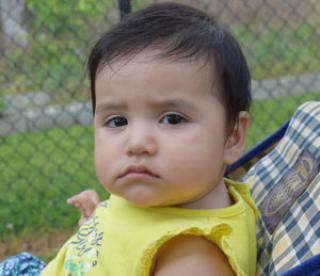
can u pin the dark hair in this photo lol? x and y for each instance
(182, 32)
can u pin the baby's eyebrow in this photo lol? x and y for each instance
(156, 104)
(174, 104)
(109, 106)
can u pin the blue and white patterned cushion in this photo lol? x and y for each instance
(285, 185)
(23, 264)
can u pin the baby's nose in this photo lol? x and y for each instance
(141, 141)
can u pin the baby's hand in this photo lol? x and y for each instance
(86, 201)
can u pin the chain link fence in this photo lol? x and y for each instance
(45, 111)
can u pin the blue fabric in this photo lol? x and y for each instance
(310, 267)
(23, 264)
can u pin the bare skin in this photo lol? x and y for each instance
(86, 202)
(190, 255)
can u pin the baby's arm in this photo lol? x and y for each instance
(87, 202)
(190, 255)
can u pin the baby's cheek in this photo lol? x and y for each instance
(101, 167)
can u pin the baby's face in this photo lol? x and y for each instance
(159, 131)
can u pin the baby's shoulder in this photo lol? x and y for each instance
(191, 255)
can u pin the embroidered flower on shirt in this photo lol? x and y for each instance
(82, 254)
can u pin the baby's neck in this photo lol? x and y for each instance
(217, 198)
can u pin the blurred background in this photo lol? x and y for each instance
(46, 138)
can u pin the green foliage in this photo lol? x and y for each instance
(60, 35)
(38, 172)
(2, 107)
(279, 50)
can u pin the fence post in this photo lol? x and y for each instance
(124, 8)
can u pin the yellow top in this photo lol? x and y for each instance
(122, 240)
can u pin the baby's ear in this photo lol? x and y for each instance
(236, 140)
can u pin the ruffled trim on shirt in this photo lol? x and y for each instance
(218, 235)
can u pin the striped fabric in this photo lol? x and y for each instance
(285, 185)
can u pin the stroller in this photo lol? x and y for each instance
(284, 176)
(283, 172)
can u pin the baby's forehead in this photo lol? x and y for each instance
(150, 70)
(147, 68)
(152, 78)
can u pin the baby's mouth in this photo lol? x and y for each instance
(136, 171)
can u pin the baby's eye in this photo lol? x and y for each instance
(172, 119)
(116, 121)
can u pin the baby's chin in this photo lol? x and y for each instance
(142, 202)
(146, 200)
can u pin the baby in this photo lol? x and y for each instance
(170, 91)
